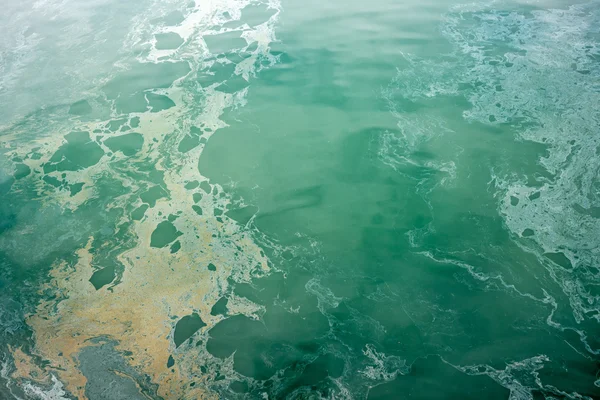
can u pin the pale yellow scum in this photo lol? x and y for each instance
(156, 285)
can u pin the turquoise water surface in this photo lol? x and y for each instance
(276, 199)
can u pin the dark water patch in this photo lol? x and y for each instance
(316, 372)
(102, 277)
(8, 218)
(204, 185)
(212, 267)
(233, 84)
(52, 181)
(128, 144)
(151, 195)
(197, 209)
(134, 122)
(21, 171)
(192, 185)
(139, 212)
(186, 327)
(191, 140)
(591, 211)
(263, 347)
(170, 361)
(173, 18)
(242, 215)
(168, 41)
(223, 42)
(116, 124)
(295, 200)
(188, 143)
(560, 259)
(132, 103)
(81, 107)
(215, 74)
(238, 387)
(237, 57)
(527, 232)
(220, 307)
(256, 14)
(159, 102)
(35, 155)
(76, 188)
(233, 333)
(144, 76)
(78, 153)
(6, 185)
(164, 234)
(175, 247)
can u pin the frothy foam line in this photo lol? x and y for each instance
(384, 368)
(520, 377)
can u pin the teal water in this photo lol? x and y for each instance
(276, 199)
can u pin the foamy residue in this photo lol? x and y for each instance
(544, 82)
(178, 251)
(383, 368)
(535, 72)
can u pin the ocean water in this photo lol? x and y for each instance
(278, 199)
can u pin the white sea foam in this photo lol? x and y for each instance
(325, 297)
(544, 82)
(534, 71)
(56, 392)
(5, 370)
(383, 367)
(520, 377)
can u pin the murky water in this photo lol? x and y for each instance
(277, 199)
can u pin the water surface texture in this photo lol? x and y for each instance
(279, 199)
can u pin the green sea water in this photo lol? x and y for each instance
(276, 199)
